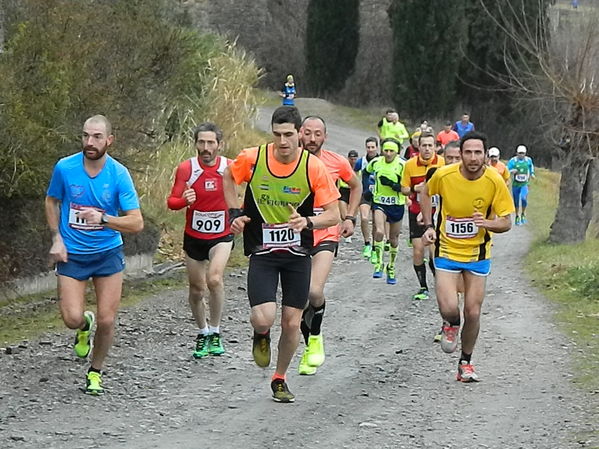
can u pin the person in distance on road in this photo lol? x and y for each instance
(86, 193)
(523, 169)
(207, 240)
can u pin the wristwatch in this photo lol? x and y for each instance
(104, 219)
(309, 224)
(428, 226)
(351, 218)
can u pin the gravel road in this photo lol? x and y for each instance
(384, 384)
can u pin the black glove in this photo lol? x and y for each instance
(235, 213)
(386, 181)
(396, 187)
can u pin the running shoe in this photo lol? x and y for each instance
(83, 345)
(518, 220)
(315, 355)
(261, 349)
(390, 270)
(94, 384)
(215, 344)
(438, 336)
(280, 391)
(422, 295)
(202, 346)
(378, 271)
(303, 368)
(387, 246)
(523, 220)
(466, 372)
(449, 340)
(367, 251)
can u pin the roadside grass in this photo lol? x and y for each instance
(569, 276)
(28, 317)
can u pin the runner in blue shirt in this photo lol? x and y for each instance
(463, 126)
(87, 192)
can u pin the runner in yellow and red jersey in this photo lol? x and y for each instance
(412, 182)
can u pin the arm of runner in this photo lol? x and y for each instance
(182, 195)
(58, 252)
(497, 225)
(426, 207)
(132, 222)
(355, 195)
(238, 219)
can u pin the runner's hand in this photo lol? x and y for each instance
(58, 252)
(479, 219)
(189, 195)
(429, 237)
(91, 215)
(347, 228)
(239, 223)
(296, 221)
(419, 187)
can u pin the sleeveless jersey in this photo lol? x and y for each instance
(267, 200)
(382, 194)
(208, 217)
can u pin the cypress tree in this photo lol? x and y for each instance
(332, 39)
(426, 54)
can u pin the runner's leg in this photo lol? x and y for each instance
(71, 293)
(108, 297)
(219, 256)
(196, 273)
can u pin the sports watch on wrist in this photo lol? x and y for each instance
(309, 224)
(351, 218)
(104, 219)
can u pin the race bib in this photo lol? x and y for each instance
(279, 236)
(521, 177)
(76, 222)
(388, 200)
(434, 200)
(460, 228)
(208, 222)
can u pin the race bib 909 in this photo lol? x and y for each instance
(208, 222)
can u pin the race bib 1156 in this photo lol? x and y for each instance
(460, 228)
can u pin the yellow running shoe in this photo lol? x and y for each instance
(83, 345)
(261, 349)
(94, 383)
(315, 350)
(303, 368)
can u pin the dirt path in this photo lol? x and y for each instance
(384, 383)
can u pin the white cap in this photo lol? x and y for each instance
(493, 151)
(521, 149)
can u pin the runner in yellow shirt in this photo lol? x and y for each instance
(470, 193)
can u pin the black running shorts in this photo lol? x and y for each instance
(263, 278)
(199, 249)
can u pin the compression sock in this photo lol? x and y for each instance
(392, 256)
(317, 319)
(465, 357)
(306, 321)
(421, 274)
(378, 250)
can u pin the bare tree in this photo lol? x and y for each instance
(554, 61)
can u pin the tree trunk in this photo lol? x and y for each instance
(575, 208)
